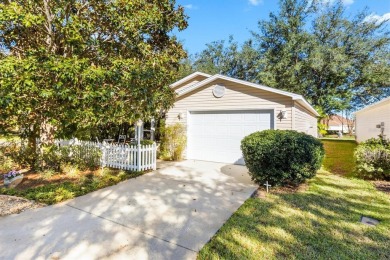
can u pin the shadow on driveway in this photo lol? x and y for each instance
(166, 214)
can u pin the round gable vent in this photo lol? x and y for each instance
(219, 91)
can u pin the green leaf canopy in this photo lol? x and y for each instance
(85, 63)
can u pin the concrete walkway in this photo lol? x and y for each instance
(167, 214)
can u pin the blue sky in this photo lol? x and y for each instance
(211, 20)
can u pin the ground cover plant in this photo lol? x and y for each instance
(57, 187)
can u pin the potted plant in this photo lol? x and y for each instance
(12, 178)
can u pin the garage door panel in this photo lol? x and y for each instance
(236, 118)
(220, 118)
(216, 135)
(220, 130)
(235, 130)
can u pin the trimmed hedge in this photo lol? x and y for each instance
(373, 159)
(282, 157)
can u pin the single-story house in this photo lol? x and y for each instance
(373, 121)
(219, 111)
(337, 123)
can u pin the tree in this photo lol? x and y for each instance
(283, 45)
(230, 60)
(346, 60)
(186, 68)
(335, 63)
(79, 63)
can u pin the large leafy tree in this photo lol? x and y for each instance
(228, 59)
(337, 62)
(72, 64)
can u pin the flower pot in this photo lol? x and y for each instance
(11, 183)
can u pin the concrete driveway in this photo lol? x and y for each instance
(166, 214)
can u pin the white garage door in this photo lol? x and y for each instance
(216, 135)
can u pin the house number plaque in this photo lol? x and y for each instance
(219, 91)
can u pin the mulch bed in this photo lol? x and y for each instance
(15, 205)
(34, 179)
(261, 192)
(382, 186)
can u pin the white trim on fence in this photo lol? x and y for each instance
(119, 156)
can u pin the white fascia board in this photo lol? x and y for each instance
(189, 77)
(243, 82)
(377, 104)
(306, 105)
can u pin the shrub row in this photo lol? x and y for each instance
(53, 157)
(373, 159)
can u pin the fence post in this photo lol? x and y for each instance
(154, 156)
(103, 162)
(139, 124)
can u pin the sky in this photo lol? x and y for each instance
(214, 20)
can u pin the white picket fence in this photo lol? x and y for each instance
(129, 157)
(86, 150)
(119, 156)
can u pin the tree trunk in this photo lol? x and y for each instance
(46, 133)
(31, 152)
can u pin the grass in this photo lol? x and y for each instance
(321, 222)
(52, 193)
(339, 156)
(344, 137)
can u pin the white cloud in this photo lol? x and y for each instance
(347, 2)
(377, 18)
(255, 2)
(190, 6)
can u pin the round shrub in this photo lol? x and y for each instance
(282, 157)
(373, 159)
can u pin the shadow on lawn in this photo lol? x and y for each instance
(322, 223)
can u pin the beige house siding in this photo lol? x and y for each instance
(367, 120)
(190, 82)
(236, 97)
(304, 121)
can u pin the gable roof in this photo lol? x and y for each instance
(210, 79)
(188, 78)
(377, 104)
(337, 120)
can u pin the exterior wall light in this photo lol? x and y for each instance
(282, 114)
(180, 116)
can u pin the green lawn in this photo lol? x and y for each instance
(339, 156)
(321, 222)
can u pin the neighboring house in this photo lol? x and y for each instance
(338, 123)
(372, 120)
(218, 111)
